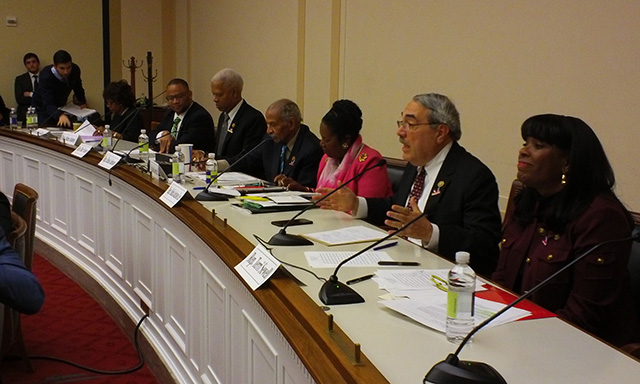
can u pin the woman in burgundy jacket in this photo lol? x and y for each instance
(566, 207)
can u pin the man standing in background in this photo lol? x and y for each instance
(56, 83)
(26, 84)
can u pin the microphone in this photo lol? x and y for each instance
(129, 119)
(334, 292)
(283, 238)
(453, 370)
(206, 195)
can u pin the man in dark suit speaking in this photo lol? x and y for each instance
(240, 126)
(26, 83)
(187, 122)
(292, 151)
(456, 190)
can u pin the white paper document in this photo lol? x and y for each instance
(332, 259)
(347, 235)
(396, 281)
(431, 310)
(77, 111)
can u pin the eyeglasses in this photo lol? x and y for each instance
(412, 126)
(179, 96)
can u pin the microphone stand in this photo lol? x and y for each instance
(452, 370)
(283, 238)
(207, 195)
(335, 292)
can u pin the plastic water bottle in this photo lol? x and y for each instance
(177, 166)
(212, 167)
(143, 142)
(13, 119)
(106, 137)
(460, 299)
(30, 118)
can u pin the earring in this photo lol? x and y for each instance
(564, 179)
(345, 145)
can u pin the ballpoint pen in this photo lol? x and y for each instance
(385, 246)
(399, 263)
(359, 279)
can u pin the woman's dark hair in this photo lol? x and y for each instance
(120, 92)
(589, 172)
(344, 119)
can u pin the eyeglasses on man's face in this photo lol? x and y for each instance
(179, 96)
(413, 126)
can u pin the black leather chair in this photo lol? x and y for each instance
(395, 169)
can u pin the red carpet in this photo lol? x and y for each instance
(72, 326)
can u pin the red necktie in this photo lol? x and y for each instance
(418, 187)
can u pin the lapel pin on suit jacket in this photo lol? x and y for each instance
(436, 191)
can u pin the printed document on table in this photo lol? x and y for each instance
(399, 280)
(431, 310)
(332, 259)
(348, 235)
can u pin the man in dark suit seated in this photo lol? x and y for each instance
(292, 150)
(26, 83)
(187, 122)
(55, 85)
(19, 287)
(456, 190)
(240, 126)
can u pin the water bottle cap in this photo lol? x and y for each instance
(143, 131)
(212, 155)
(463, 257)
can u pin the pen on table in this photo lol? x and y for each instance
(198, 188)
(400, 263)
(385, 246)
(359, 279)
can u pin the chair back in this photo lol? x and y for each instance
(395, 169)
(17, 237)
(634, 267)
(24, 204)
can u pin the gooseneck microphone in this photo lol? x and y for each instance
(207, 195)
(335, 292)
(283, 238)
(453, 370)
(129, 119)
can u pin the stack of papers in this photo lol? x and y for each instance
(421, 295)
(332, 259)
(348, 235)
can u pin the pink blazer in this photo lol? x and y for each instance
(374, 183)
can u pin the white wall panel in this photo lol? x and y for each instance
(112, 233)
(204, 323)
(86, 218)
(175, 293)
(262, 358)
(58, 188)
(140, 258)
(212, 322)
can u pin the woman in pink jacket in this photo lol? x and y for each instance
(346, 155)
